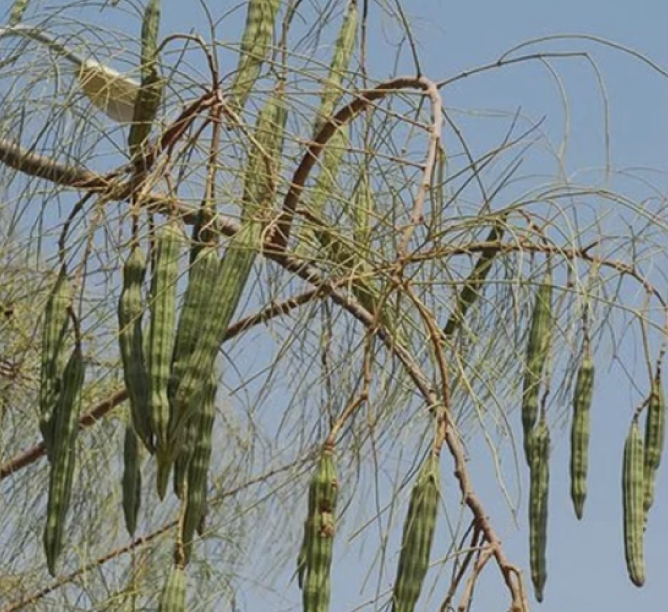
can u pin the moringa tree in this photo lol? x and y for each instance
(254, 311)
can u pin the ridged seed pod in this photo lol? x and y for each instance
(263, 170)
(655, 433)
(173, 596)
(65, 428)
(315, 559)
(417, 538)
(633, 495)
(582, 398)
(149, 95)
(538, 506)
(537, 351)
(202, 277)
(234, 271)
(130, 336)
(198, 469)
(162, 328)
(131, 479)
(255, 46)
(54, 333)
(340, 64)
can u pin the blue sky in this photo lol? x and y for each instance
(586, 560)
(586, 563)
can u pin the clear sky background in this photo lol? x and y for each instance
(586, 559)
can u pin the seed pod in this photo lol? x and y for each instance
(65, 427)
(633, 493)
(198, 469)
(417, 538)
(130, 312)
(54, 333)
(184, 457)
(149, 95)
(538, 506)
(537, 352)
(173, 596)
(226, 293)
(343, 52)
(18, 9)
(315, 561)
(582, 397)
(655, 433)
(325, 183)
(473, 285)
(161, 341)
(264, 165)
(255, 46)
(201, 279)
(131, 479)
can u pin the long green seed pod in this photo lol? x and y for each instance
(234, 271)
(162, 329)
(65, 428)
(343, 52)
(54, 332)
(655, 433)
(255, 46)
(417, 537)
(473, 285)
(633, 495)
(198, 469)
(538, 506)
(131, 479)
(173, 596)
(202, 277)
(582, 397)
(150, 93)
(537, 352)
(315, 560)
(263, 170)
(130, 313)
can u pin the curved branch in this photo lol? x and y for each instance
(281, 234)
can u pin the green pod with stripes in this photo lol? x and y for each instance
(417, 537)
(580, 425)
(633, 496)
(160, 349)
(255, 47)
(130, 336)
(537, 352)
(198, 469)
(655, 433)
(340, 64)
(55, 330)
(538, 506)
(173, 596)
(131, 482)
(61, 475)
(226, 294)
